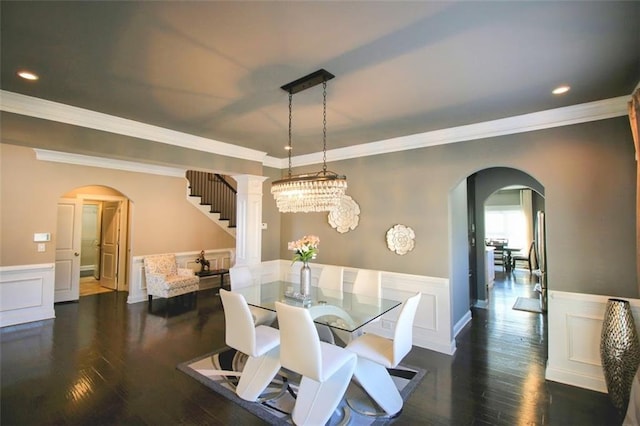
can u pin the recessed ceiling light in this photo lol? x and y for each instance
(28, 75)
(561, 89)
(288, 148)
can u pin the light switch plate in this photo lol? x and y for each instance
(41, 236)
(41, 247)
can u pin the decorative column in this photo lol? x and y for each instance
(249, 220)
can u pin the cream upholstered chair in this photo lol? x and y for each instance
(331, 278)
(240, 277)
(261, 343)
(326, 369)
(368, 283)
(376, 354)
(165, 279)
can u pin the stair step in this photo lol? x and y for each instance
(214, 191)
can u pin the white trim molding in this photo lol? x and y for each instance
(558, 117)
(54, 111)
(107, 163)
(574, 339)
(62, 113)
(26, 293)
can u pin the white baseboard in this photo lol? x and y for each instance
(466, 319)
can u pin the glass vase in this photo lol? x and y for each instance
(305, 279)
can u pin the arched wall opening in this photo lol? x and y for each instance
(485, 183)
(93, 239)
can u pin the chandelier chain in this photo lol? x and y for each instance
(290, 147)
(324, 127)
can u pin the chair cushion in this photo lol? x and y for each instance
(333, 358)
(375, 348)
(267, 338)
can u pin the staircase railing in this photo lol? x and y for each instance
(214, 190)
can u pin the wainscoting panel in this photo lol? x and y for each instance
(26, 293)
(432, 325)
(575, 324)
(218, 259)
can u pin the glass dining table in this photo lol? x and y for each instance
(340, 310)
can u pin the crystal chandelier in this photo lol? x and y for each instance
(311, 192)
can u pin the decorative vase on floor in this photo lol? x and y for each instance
(305, 279)
(619, 352)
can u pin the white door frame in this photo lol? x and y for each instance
(124, 237)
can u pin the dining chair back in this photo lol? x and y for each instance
(377, 353)
(368, 283)
(241, 277)
(331, 278)
(326, 369)
(260, 343)
(529, 256)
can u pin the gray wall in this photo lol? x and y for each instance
(588, 175)
(51, 135)
(460, 291)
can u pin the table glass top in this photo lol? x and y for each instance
(341, 310)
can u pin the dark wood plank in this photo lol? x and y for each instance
(104, 362)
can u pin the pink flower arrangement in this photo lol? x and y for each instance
(306, 248)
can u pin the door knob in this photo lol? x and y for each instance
(76, 254)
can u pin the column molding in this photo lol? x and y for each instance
(249, 219)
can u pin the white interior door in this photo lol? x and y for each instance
(109, 244)
(96, 243)
(68, 240)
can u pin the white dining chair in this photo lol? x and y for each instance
(331, 278)
(377, 353)
(240, 277)
(368, 283)
(326, 369)
(260, 343)
(331, 281)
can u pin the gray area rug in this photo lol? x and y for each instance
(527, 304)
(277, 411)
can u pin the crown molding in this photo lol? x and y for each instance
(575, 114)
(54, 111)
(107, 163)
(558, 117)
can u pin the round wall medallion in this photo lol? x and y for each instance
(345, 216)
(400, 239)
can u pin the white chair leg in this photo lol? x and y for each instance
(316, 402)
(377, 382)
(257, 374)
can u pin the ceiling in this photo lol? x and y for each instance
(214, 69)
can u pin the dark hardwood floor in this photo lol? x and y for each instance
(104, 362)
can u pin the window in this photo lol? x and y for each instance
(506, 222)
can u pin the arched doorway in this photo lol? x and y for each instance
(92, 229)
(480, 186)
